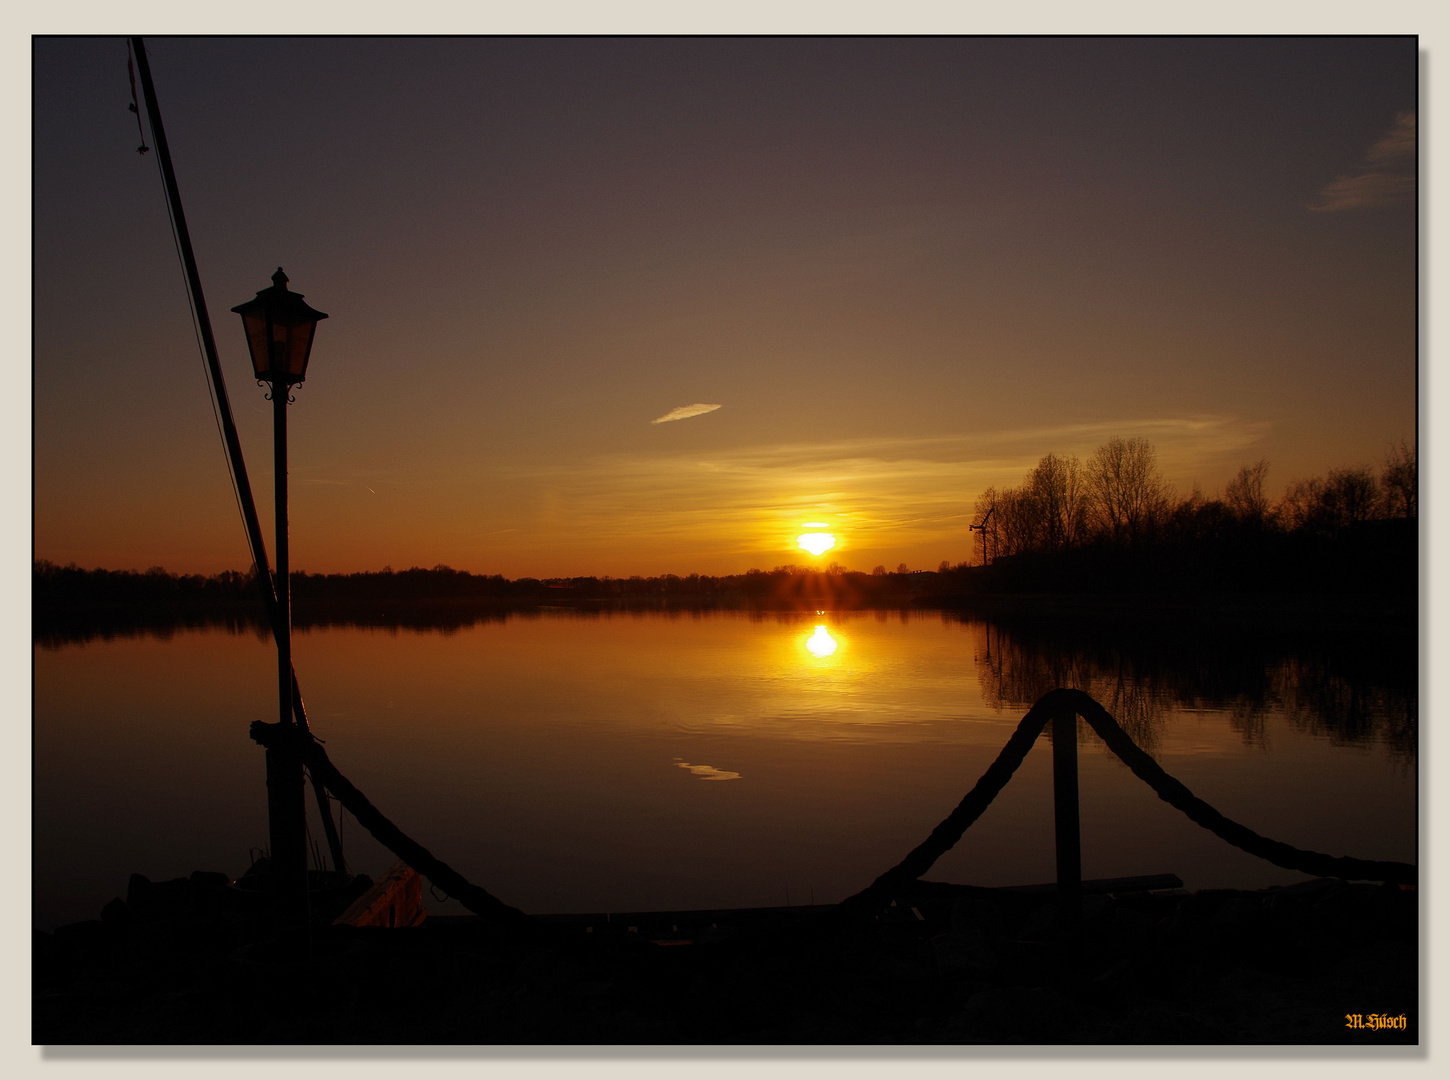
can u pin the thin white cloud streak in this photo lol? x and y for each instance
(1387, 176)
(684, 411)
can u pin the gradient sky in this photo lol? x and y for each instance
(902, 269)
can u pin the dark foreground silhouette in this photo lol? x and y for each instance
(942, 964)
(904, 960)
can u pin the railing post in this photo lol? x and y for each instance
(287, 817)
(1066, 824)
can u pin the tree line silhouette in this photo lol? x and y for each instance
(71, 603)
(1110, 525)
(1113, 524)
(1119, 496)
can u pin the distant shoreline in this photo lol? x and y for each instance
(1366, 581)
(1386, 618)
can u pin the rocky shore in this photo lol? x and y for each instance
(178, 963)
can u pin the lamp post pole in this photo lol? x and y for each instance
(283, 583)
(280, 328)
(286, 803)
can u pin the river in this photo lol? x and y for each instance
(633, 761)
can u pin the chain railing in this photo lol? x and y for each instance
(1061, 707)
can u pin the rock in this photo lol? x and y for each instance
(1159, 1025)
(1295, 899)
(91, 937)
(1236, 914)
(1098, 912)
(1044, 924)
(118, 912)
(1012, 1014)
(208, 889)
(967, 954)
(1350, 905)
(549, 973)
(1028, 963)
(978, 915)
(1131, 925)
(158, 899)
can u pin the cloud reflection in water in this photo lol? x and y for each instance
(707, 772)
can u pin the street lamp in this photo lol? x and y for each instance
(279, 328)
(284, 320)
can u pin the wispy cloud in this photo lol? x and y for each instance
(684, 411)
(873, 491)
(1398, 147)
(1364, 191)
(1386, 177)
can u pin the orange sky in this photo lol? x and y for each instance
(904, 270)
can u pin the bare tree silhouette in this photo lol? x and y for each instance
(1126, 487)
(1057, 491)
(1399, 481)
(1244, 495)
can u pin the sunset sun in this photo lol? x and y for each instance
(816, 543)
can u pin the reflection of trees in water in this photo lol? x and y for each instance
(1354, 693)
(1323, 703)
(1133, 703)
(1014, 673)
(54, 634)
(1247, 718)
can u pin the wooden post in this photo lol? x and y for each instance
(1066, 823)
(286, 818)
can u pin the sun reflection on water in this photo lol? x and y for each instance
(821, 643)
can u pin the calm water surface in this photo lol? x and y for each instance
(619, 762)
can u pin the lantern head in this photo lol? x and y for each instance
(279, 328)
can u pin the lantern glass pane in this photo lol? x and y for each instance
(299, 344)
(255, 324)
